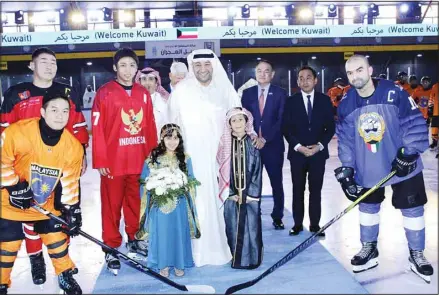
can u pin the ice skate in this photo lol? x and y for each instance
(38, 268)
(366, 259)
(137, 250)
(420, 265)
(113, 263)
(68, 284)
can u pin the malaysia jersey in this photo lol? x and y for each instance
(421, 97)
(124, 129)
(26, 157)
(335, 93)
(24, 101)
(371, 130)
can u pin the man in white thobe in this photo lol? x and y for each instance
(199, 105)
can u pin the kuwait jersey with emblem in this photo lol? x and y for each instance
(124, 130)
(24, 101)
(24, 156)
(371, 130)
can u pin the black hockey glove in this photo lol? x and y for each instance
(20, 195)
(345, 175)
(404, 164)
(430, 111)
(72, 215)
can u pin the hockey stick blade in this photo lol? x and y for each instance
(133, 263)
(309, 241)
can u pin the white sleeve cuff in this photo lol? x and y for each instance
(297, 147)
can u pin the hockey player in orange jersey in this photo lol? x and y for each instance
(422, 96)
(402, 80)
(413, 83)
(40, 162)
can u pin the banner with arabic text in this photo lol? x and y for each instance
(179, 48)
(217, 33)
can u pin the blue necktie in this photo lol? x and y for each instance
(309, 108)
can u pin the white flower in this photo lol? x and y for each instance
(160, 191)
(174, 186)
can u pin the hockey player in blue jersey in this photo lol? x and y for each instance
(380, 129)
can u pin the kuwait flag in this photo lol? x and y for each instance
(187, 33)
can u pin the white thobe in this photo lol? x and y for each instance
(200, 112)
(160, 108)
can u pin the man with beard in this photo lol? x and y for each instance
(380, 129)
(199, 105)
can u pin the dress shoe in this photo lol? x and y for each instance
(314, 229)
(278, 224)
(295, 230)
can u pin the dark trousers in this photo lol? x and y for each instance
(314, 167)
(272, 159)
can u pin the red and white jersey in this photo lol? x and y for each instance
(24, 101)
(124, 129)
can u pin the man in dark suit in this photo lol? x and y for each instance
(266, 103)
(308, 125)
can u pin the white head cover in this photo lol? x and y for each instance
(219, 75)
(178, 68)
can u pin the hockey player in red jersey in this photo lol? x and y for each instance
(40, 162)
(24, 101)
(124, 133)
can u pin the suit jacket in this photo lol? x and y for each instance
(271, 119)
(297, 129)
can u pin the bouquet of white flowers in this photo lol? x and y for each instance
(166, 184)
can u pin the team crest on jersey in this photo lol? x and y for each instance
(371, 127)
(43, 181)
(132, 121)
(423, 102)
(24, 95)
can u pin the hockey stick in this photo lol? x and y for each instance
(134, 264)
(309, 241)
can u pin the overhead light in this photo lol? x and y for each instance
(332, 10)
(19, 17)
(89, 63)
(245, 11)
(289, 10)
(61, 11)
(373, 10)
(404, 8)
(419, 55)
(313, 57)
(108, 14)
(258, 58)
(77, 17)
(367, 56)
(305, 13)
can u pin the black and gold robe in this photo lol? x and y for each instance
(242, 210)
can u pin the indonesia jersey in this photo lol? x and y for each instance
(24, 101)
(124, 130)
(422, 97)
(24, 156)
(371, 130)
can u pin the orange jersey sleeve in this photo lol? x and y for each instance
(7, 144)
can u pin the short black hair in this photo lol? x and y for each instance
(265, 61)
(42, 50)
(54, 94)
(125, 52)
(306, 67)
